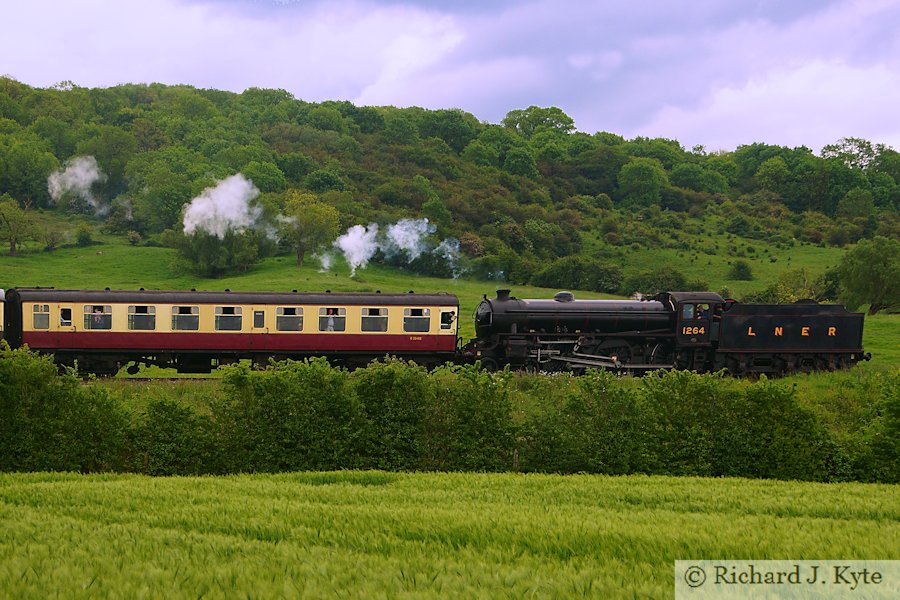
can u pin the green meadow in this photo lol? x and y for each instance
(384, 535)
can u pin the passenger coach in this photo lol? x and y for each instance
(196, 331)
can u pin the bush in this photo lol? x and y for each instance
(468, 424)
(51, 422)
(172, 439)
(293, 416)
(393, 395)
(83, 236)
(740, 271)
(596, 430)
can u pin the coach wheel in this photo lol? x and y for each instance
(133, 369)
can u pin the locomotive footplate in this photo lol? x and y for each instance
(606, 362)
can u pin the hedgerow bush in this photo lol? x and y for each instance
(50, 422)
(292, 416)
(170, 438)
(395, 415)
(595, 429)
(393, 396)
(468, 424)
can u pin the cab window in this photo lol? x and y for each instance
(97, 316)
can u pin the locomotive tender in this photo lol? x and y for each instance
(101, 330)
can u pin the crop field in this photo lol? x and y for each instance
(374, 534)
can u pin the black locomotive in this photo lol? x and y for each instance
(699, 331)
(101, 331)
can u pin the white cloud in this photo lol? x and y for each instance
(808, 105)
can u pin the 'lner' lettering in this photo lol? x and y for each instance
(832, 331)
(750, 332)
(804, 331)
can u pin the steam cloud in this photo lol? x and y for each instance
(408, 237)
(77, 178)
(223, 207)
(359, 245)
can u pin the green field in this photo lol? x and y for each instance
(381, 535)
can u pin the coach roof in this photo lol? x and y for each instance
(229, 298)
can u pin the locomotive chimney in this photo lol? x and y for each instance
(503, 294)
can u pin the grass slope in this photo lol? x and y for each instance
(373, 534)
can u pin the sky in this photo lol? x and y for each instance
(714, 73)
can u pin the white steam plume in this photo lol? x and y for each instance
(408, 235)
(223, 207)
(77, 177)
(449, 251)
(359, 245)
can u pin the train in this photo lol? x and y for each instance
(102, 331)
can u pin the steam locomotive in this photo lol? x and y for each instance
(100, 331)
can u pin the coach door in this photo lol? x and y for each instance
(694, 319)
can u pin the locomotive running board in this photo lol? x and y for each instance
(587, 360)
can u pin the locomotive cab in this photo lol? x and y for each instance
(697, 316)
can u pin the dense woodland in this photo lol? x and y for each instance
(530, 200)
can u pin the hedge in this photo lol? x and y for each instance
(395, 415)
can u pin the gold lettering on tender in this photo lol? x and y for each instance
(779, 331)
(750, 332)
(832, 331)
(804, 331)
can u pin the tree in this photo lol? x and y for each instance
(870, 274)
(641, 181)
(208, 255)
(529, 121)
(15, 224)
(308, 223)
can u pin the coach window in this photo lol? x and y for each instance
(142, 318)
(332, 319)
(447, 319)
(228, 318)
(65, 317)
(374, 319)
(259, 319)
(289, 318)
(42, 316)
(97, 316)
(416, 320)
(185, 318)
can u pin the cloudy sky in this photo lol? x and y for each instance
(718, 73)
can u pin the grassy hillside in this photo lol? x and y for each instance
(373, 534)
